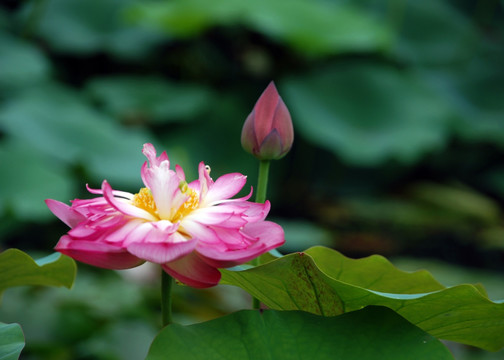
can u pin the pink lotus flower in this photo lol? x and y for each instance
(191, 229)
(267, 132)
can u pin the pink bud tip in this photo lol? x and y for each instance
(268, 133)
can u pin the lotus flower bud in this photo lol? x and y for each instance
(268, 133)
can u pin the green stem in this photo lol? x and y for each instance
(166, 298)
(262, 186)
(262, 181)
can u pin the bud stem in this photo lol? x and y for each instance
(166, 298)
(262, 181)
(262, 186)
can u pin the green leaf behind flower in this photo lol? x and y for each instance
(152, 100)
(11, 341)
(28, 178)
(57, 122)
(372, 333)
(91, 26)
(315, 28)
(323, 281)
(18, 268)
(377, 126)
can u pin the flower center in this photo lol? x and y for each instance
(189, 205)
(144, 200)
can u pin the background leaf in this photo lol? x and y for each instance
(378, 334)
(55, 121)
(367, 113)
(149, 99)
(21, 64)
(322, 281)
(11, 341)
(28, 178)
(85, 27)
(434, 32)
(18, 269)
(315, 28)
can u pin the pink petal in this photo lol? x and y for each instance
(256, 211)
(202, 233)
(122, 206)
(242, 199)
(205, 181)
(117, 193)
(65, 213)
(265, 109)
(271, 147)
(97, 253)
(224, 187)
(85, 206)
(165, 226)
(98, 228)
(193, 271)
(145, 174)
(248, 135)
(268, 236)
(232, 238)
(127, 230)
(87, 231)
(162, 181)
(283, 124)
(161, 248)
(150, 153)
(219, 238)
(223, 215)
(180, 172)
(164, 185)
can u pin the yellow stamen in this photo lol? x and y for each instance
(189, 205)
(144, 200)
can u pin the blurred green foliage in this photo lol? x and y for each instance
(398, 109)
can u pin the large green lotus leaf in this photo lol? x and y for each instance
(309, 26)
(147, 99)
(373, 333)
(187, 18)
(28, 178)
(21, 63)
(18, 268)
(367, 113)
(57, 122)
(11, 341)
(474, 92)
(318, 27)
(434, 32)
(91, 26)
(323, 281)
